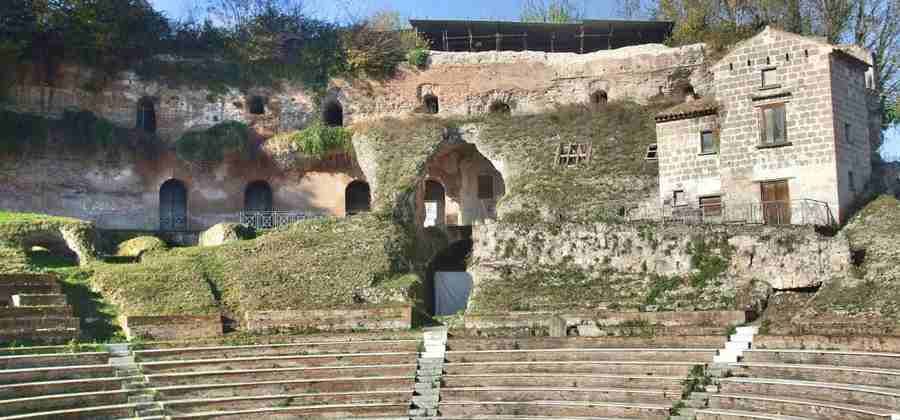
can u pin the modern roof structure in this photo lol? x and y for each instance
(581, 37)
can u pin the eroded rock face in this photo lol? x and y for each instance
(741, 264)
(224, 233)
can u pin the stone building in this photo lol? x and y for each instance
(785, 137)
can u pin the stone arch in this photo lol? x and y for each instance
(357, 198)
(333, 113)
(500, 107)
(431, 104)
(173, 206)
(257, 105)
(258, 197)
(146, 115)
(599, 98)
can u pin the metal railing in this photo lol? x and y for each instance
(794, 212)
(274, 219)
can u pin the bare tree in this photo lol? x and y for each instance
(876, 27)
(551, 11)
(238, 13)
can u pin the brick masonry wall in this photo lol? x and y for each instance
(172, 327)
(854, 147)
(384, 318)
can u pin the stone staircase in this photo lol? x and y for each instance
(430, 367)
(124, 364)
(737, 343)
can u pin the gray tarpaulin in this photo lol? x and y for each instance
(451, 291)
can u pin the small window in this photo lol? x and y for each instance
(485, 187)
(847, 131)
(257, 105)
(146, 115)
(852, 181)
(708, 143)
(769, 78)
(652, 153)
(431, 104)
(573, 153)
(711, 206)
(679, 198)
(773, 125)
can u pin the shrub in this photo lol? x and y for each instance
(18, 131)
(418, 57)
(211, 145)
(376, 53)
(318, 140)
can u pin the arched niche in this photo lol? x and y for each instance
(469, 189)
(146, 115)
(333, 113)
(357, 198)
(599, 98)
(500, 108)
(431, 104)
(173, 206)
(257, 105)
(258, 197)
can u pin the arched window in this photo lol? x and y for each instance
(431, 104)
(173, 206)
(599, 98)
(333, 113)
(146, 115)
(257, 105)
(500, 107)
(434, 203)
(258, 197)
(357, 198)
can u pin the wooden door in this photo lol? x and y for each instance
(776, 202)
(173, 206)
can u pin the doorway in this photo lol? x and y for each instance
(173, 206)
(434, 203)
(775, 198)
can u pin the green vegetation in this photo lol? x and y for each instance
(873, 233)
(710, 258)
(76, 132)
(317, 140)
(418, 57)
(250, 44)
(214, 143)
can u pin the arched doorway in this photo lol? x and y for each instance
(146, 115)
(599, 98)
(173, 206)
(257, 105)
(434, 203)
(333, 113)
(258, 197)
(500, 107)
(431, 104)
(357, 198)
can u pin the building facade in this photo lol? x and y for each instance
(784, 138)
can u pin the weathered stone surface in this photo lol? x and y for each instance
(224, 233)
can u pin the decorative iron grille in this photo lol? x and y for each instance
(274, 219)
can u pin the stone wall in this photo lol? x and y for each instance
(125, 194)
(632, 257)
(347, 319)
(682, 166)
(851, 118)
(171, 327)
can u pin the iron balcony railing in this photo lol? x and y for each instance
(274, 219)
(794, 212)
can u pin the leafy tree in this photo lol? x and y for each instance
(551, 11)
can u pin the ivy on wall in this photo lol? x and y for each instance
(212, 144)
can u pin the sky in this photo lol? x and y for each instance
(346, 10)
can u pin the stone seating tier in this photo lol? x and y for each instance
(375, 346)
(267, 362)
(583, 354)
(555, 409)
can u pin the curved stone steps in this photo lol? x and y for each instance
(281, 349)
(814, 409)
